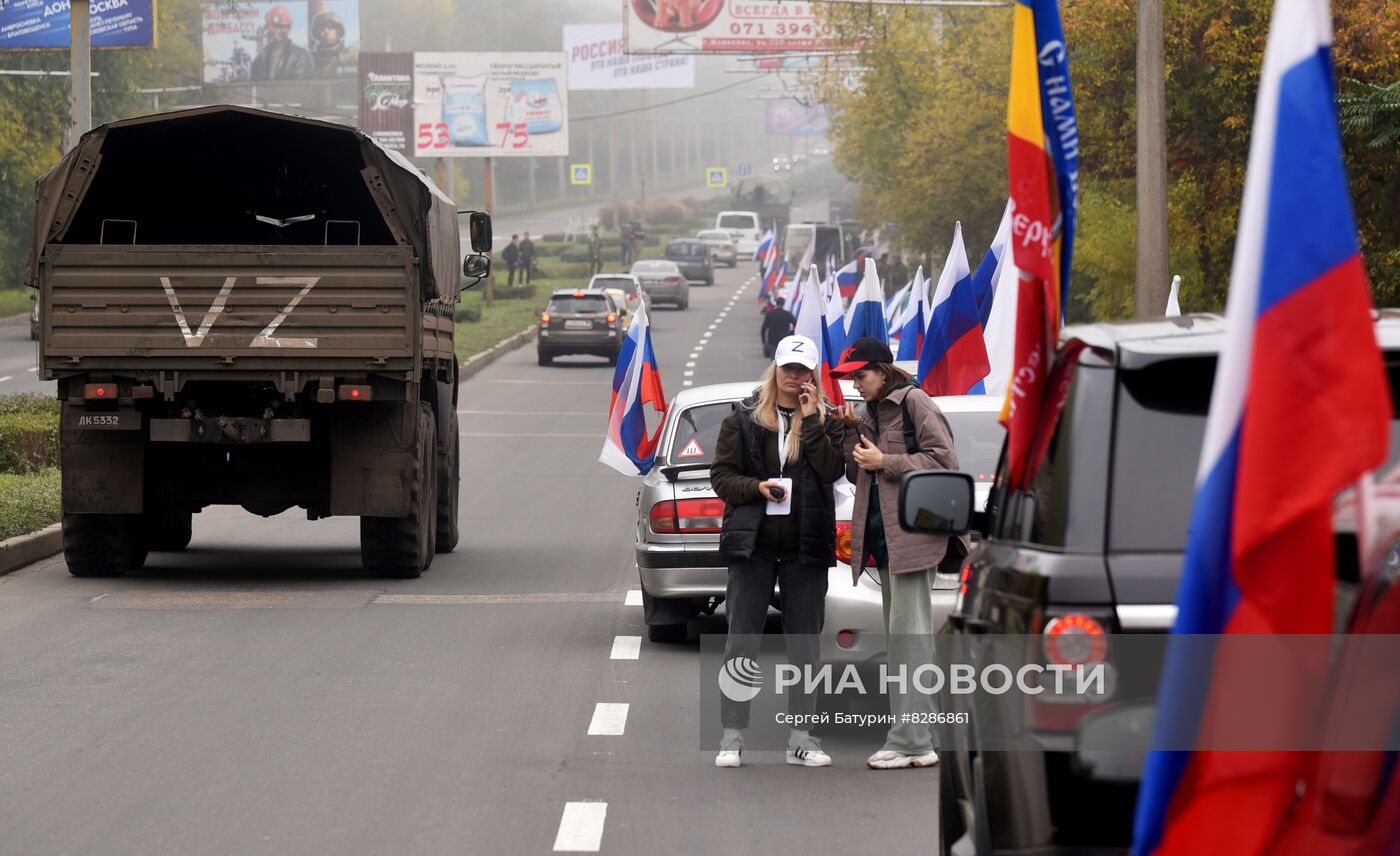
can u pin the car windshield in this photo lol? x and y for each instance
(697, 430)
(736, 221)
(654, 267)
(977, 438)
(574, 303)
(685, 250)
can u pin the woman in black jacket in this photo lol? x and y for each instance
(774, 466)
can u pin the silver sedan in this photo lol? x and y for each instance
(662, 282)
(721, 246)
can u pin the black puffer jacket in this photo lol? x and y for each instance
(747, 454)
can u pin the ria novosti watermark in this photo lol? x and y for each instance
(741, 679)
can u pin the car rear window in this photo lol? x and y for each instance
(977, 440)
(654, 267)
(586, 303)
(697, 431)
(737, 221)
(685, 250)
(614, 282)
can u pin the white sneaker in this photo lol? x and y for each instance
(727, 758)
(928, 759)
(888, 760)
(809, 754)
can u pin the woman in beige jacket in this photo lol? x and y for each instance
(878, 453)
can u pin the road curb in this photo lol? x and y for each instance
(22, 550)
(480, 361)
(14, 320)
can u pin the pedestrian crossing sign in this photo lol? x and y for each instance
(581, 174)
(716, 177)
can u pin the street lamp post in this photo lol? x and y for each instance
(80, 68)
(1153, 267)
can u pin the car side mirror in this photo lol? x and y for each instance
(475, 267)
(478, 230)
(939, 502)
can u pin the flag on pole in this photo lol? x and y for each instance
(894, 307)
(985, 278)
(1174, 299)
(915, 318)
(866, 314)
(772, 281)
(1000, 332)
(835, 320)
(847, 278)
(636, 384)
(1042, 164)
(953, 358)
(764, 244)
(1299, 369)
(811, 322)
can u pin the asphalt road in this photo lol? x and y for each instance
(259, 694)
(19, 357)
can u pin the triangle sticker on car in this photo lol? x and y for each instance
(691, 450)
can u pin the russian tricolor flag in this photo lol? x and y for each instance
(953, 358)
(847, 278)
(914, 320)
(866, 314)
(835, 318)
(1300, 409)
(984, 279)
(636, 383)
(764, 244)
(811, 322)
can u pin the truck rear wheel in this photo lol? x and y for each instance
(103, 545)
(169, 528)
(403, 547)
(449, 481)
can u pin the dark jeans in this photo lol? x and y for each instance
(526, 268)
(510, 281)
(746, 600)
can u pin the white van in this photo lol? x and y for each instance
(744, 229)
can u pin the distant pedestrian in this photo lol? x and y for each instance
(901, 430)
(595, 252)
(511, 256)
(777, 324)
(527, 259)
(624, 241)
(774, 466)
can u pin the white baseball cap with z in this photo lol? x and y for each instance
(796, 349)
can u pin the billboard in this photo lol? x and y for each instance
(268, 40)
(386, 98)
(44, 24)
(789, 118)
(598, 60)
(481, 105)
(710, 26)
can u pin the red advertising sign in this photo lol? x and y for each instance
(716, 26)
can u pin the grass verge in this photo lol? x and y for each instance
(15, 301)
(499, 320)
(28, 502)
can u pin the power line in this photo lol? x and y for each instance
(680, 100)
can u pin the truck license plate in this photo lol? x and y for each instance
(578, 325)
(125, 420)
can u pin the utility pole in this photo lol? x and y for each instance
(488, 191)
(644, 150)
(80, 68)
(1153, 266)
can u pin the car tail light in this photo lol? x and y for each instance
(673, 279)
(612, 317)
(843, 542)
(1075, 639)
(846, 639)
(100, 391)
(544, 319)
(354, 392)
(687, 516)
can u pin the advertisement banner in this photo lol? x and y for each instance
(598, 60)
(788, 118)
(714, 26)
(44, 24)
(479, 105)
(386, 98)
(253, 42)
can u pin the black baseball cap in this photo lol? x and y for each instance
(861, 353)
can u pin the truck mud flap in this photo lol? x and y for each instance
(372, 461)
(104, 477)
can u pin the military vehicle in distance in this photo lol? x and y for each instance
(248, 308)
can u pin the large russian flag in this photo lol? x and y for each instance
(1300, 409)
(636, 384)
(985, 278)
(953, 358)
(811, 322)
(764, 244)
(866, 314)
(1042, 164)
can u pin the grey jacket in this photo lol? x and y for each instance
(909, 551)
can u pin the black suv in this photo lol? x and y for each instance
(579, 321)
(692, 256)
(1092, 547)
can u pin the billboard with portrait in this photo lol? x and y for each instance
(44, 24)
(490, 105)
(717, 26)
(279, 40)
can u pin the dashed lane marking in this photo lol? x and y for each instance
(634, 598)
(690, 365)
(609, 720)
(581, 827)
(475, 599)
(6, 377)
(626, 647)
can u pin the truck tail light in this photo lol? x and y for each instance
(100, 391)
(355, 392)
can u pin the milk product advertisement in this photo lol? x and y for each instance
(490, 105)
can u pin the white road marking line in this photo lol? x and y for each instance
(634, 598)
(34, 369)
(609, 720)
(690, 365)
(581, 827)
(724, 314)
(688, 374)
(475, 599)
(626, 647)
(695, 355)
(6, 377)
(707, 335)
(713, 326)
(687, 383)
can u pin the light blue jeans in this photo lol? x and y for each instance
(909, 630)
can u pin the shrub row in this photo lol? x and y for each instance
(29, 502)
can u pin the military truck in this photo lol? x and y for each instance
(247, 308)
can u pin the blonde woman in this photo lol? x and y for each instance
(774, 466)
